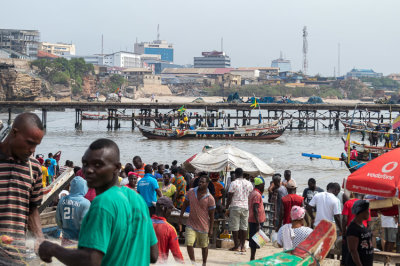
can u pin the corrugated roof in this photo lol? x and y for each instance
(43, 54)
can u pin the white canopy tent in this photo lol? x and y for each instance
(227, 158)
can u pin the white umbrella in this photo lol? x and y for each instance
(228, 158)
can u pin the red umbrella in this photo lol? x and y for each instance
(379, 177)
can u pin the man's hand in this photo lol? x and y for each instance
(227, 213)
(210, 233)
(45, 251)
(180, 225)
(38, 242)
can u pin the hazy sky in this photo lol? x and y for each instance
(254, 31)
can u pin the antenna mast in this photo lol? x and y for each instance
(338, 60)
(305, 50)
(222, 44)
(158, 32)
(102, 45)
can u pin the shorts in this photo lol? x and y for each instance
(238, 218)
(252, 231)
(192, 236)
(390, 234)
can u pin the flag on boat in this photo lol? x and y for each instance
(396, 122)
(182, 109)
(255, 104)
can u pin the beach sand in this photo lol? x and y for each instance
(218, 257)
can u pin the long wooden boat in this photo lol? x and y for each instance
(311, 251)
(88, 116)
(254, 132)
(364, 125)
(55, 188)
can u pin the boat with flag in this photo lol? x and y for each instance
(263, 131)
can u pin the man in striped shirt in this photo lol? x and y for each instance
(139, 166)
(20, 188)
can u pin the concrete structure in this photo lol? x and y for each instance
(57, 48)
(7, 53)
(212, 59)
(394, 76)
(121, 59)
(281, 63)
(363, 73)
(89, 59)
(157, 47)
(21, 41)
(252, 74)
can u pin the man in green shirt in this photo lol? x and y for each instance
(117, 230)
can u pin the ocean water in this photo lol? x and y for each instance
(282, 153)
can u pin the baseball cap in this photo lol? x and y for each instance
(165, 201)
(291, 184)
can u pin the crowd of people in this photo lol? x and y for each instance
(119, 214)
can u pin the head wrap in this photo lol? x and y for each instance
(258, 181)
(133, 173)
(359, 206)
(297, 213)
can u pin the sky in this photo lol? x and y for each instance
(254, 32)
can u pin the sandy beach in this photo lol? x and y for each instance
(218, 257)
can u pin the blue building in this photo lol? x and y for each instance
(158, 47)
(283, 64)
(363, 73)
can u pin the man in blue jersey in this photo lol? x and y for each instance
(71, 209)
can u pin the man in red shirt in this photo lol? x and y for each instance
(166, 233)
(199, 226)
(290, 200)
(256, 213)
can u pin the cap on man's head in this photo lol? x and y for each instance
(291, 184)
(258, 181)
(165, 202)
(359, 206)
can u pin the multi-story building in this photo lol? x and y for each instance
(122, 59)
(157, 47)
(212, 59)
(284, 65)
(57, 48)
(22, 41)
(363, 73)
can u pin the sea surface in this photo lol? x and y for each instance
(281, 154)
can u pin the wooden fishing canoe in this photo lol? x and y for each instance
(309, 252)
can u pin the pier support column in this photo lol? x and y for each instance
(229, 120)
(9, 117)
(109, 117)
(337, 120)
(133, 120)
(315, 120)
(78, 118)
(116, 120)
(44, 118)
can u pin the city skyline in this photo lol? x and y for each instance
(254, 33)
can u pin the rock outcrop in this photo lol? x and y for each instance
(17, 86)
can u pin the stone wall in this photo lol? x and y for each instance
(17, 86)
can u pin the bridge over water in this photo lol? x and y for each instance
(304, 116)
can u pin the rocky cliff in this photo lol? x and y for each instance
(15, 85)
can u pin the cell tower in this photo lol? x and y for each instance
(305, 50)
(338, 60)
(158, 32)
